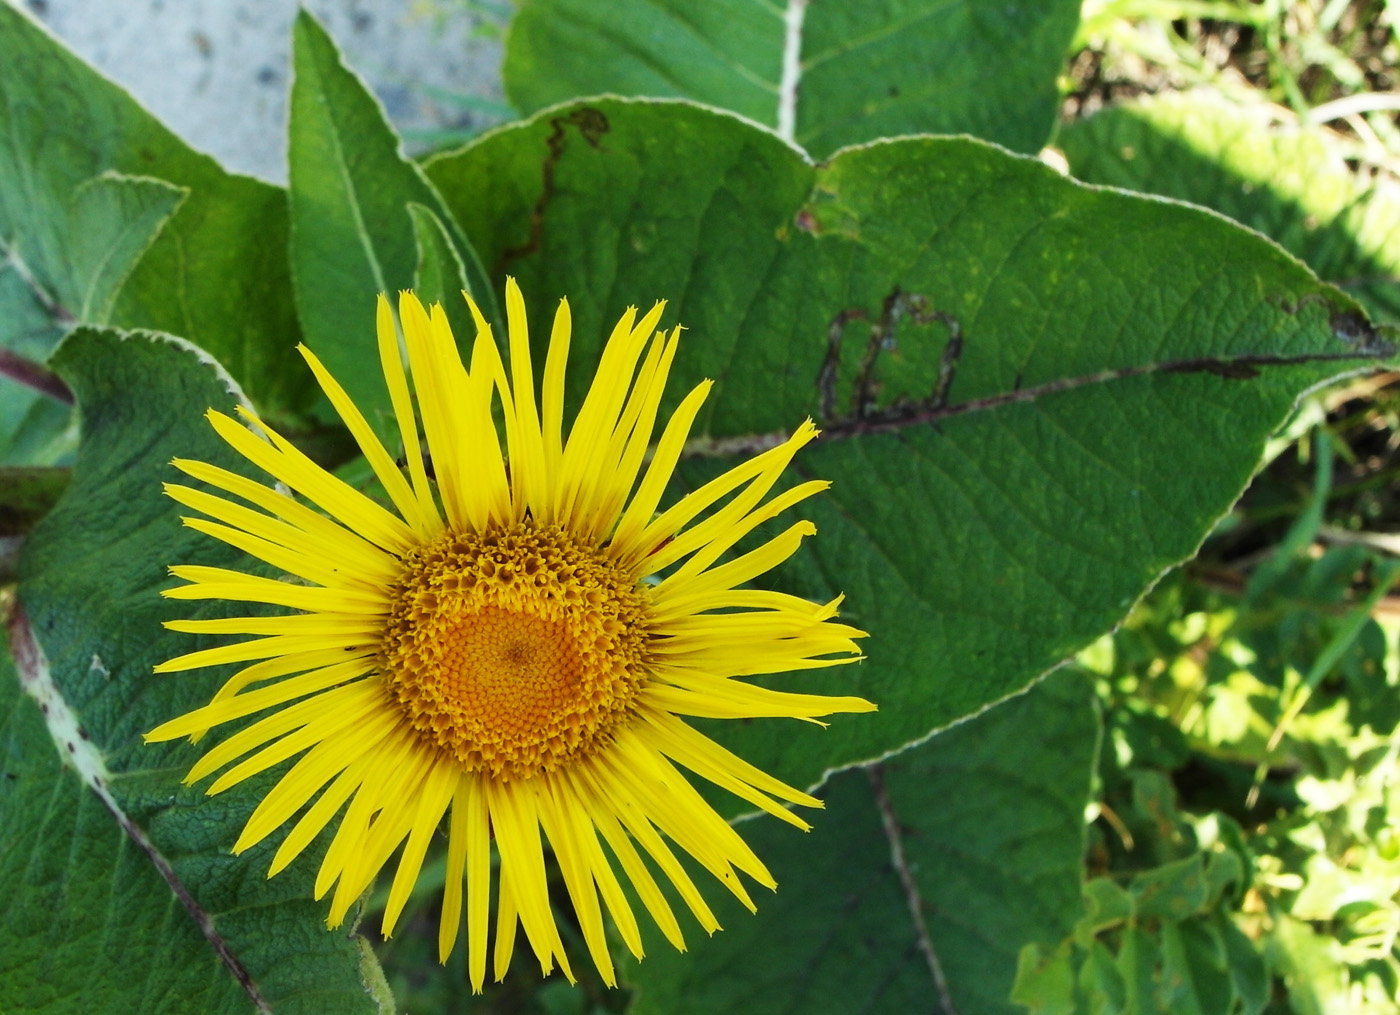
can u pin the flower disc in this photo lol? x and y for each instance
(514, 650)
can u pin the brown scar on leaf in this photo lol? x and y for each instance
(1364, 341)
(591, 125)
(881, 337)
(1347, 325)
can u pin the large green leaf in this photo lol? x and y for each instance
(72, 274)
(825, 74)
(88, 923)
(1287, 181)
(216, 273)
(90, 574)
(968, 848)
(352, 231)
(1119, 364)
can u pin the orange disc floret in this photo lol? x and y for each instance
(514, 650)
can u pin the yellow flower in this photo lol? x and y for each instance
(513, 652)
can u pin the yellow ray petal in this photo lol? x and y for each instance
(573, 814)
(514, 817)
(234, 586)
(506, 920)
(672, 592)
(391, 362)
(527, 460)
(603, 818)
(633, 434)
(627, 546)
(380, 791)
(320, 813)
(433, 797)
(552, 408)
(379, 567)
(761, 472)
(336, 497)
(319, 766)
(380, 462)
(478, 830)
(569, 851)
(225, 710)
(440, 381)
(312, 568)
(614, 797)
(733, 699)
(336, 710)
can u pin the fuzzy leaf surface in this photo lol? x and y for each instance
(90, 577)
(856, 71)
(993, 510)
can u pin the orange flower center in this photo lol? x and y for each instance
(514, 650)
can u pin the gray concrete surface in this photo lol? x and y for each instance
(217, 71)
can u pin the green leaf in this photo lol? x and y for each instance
(441, 276)
(1248, 972)
(88, 923)
(1195, 978)
(216, 273)
(825, 74)
(111, 222)
(1122, 362)
(979, 831)
(90, 574)
(352, 233)
(1172, 891)
(1289, 182)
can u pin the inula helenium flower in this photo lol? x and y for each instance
(513, 646)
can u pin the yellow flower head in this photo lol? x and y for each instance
(513, 645)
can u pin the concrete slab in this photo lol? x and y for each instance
(217, 71)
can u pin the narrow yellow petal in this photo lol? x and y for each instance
(725, 769)
(515, 818)
(733, 699)
(569, 850)
(440, 381)
(433, 797)
(573, 813)
(627, 545)
(763, 470)
(227, 709)
(603, 818)
(244, 588)
(352, 629)
(388, 474)
(615, 797)
(391, 362)
(338, 709)
(478, 844)
(483, 465)
(529, 479)
(506, 920)
(634, 434)
(336, 497)
(349, 861)
(319, 766)
(378, 565)
(598, 418)
(258, 648)
(302, 565)
(737, 571)
(552, 407)
(319, 814)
